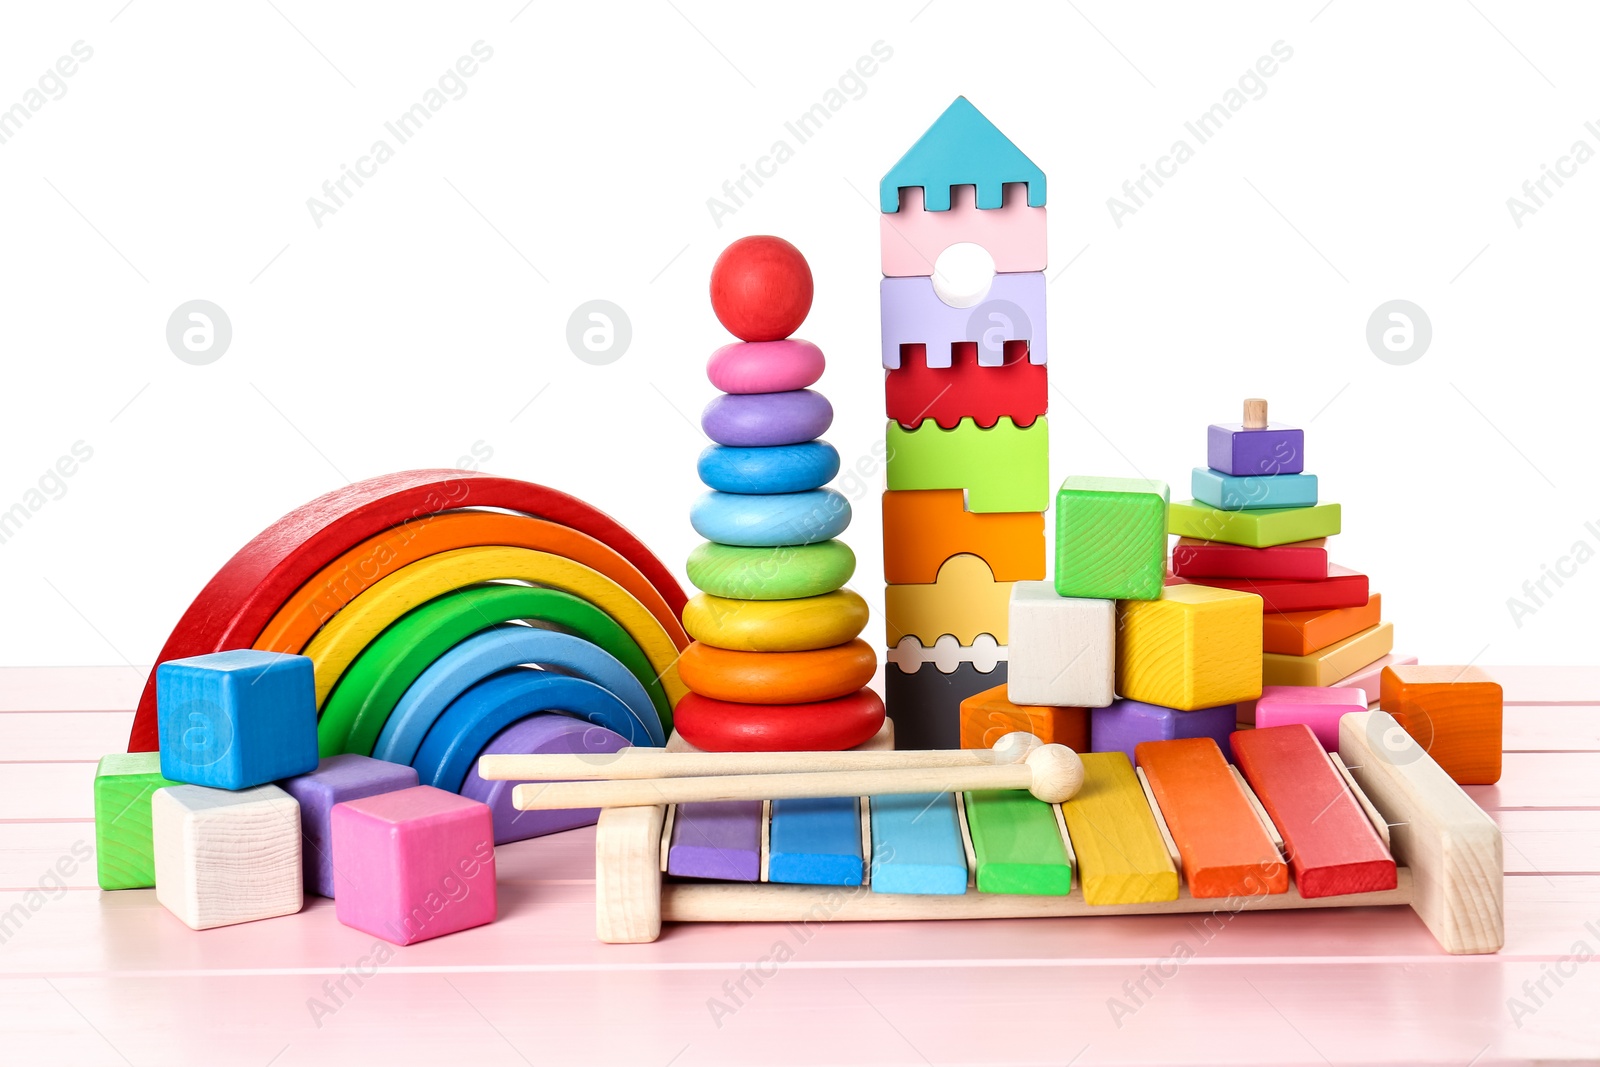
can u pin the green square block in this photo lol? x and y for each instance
(1017, 842)
(124, 782)
(1262, 528)
(1111, 538)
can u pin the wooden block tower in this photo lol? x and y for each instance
(964, 354)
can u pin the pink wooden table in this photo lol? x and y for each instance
(88, 978)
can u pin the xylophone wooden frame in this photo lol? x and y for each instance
(1450, 852)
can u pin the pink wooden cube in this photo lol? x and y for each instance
(1316, 706)
(414, 864)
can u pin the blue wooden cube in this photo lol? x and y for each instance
(336, 780)
(236, 720)
(1228, 492)
(1121, 726)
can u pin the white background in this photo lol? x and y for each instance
(424, 315)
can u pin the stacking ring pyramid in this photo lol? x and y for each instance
(443, 608)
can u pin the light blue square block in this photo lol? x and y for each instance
(1247, 492)
(236, 720)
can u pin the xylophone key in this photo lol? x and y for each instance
(718, 839)
(816, 841)
(1332, 846)
(916, 845)
(1122, 858)
(1017, 842)
(1225, 850)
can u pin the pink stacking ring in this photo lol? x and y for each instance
(765, 366)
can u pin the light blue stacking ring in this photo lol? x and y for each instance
(775, 469)
(774, 519)
(759, 419)
(474, 717)
(490, 652)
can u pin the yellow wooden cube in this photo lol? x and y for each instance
(1196, 647)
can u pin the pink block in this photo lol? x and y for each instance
(913, 238)
(1367, 677)
(1319, 708)
(414, 864)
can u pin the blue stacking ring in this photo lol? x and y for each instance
(774, 519)
(774, 469)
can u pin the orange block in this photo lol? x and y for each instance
(924, 527)
(777, 677)
(1454, 713)
(1225, 850)
(1300, 633)
(988, 716)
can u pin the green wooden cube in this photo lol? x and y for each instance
(1111, 538)
(124, 782)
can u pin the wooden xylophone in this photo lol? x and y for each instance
(1287, 826)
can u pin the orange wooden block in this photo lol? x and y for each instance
(1225, 850)
(1300, 633)
(924, 527)
(1454, 713)
(988, 716)
(777, 677)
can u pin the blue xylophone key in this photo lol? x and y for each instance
(815, 842)
(916, 845)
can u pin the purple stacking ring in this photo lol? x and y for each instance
(746, 420)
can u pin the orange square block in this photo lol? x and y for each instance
(1300, 633)
(988, 716)
(1454, 713)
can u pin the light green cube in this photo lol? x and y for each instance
(1261, 528)
(1111, 538)
(124, 782)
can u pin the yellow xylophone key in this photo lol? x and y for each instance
(1121, 856)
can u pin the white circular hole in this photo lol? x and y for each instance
(963, 274)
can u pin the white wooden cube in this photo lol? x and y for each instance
(1062, 648)
(225, 857)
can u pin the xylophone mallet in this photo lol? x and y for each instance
(659, 763)
(1052, 773)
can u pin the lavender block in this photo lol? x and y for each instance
(337, 779)
(550, 732)
(1125, 723)
(1275, 449)
(718, 839)
(911, 313)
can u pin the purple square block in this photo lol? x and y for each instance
(337, 779)
(1125, 723)
(718, 839)
(1277, 449)
(538, 734)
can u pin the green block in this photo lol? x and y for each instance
(1111, 538)
(1003, 468)
(1261, 528)
(1018, 844)
(124, 782)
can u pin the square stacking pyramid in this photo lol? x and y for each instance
(1196, 647)
(1111, 538)
(236, 719)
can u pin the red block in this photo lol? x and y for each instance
(1342, 588)
(914, 391)
(1332, 848)
(1301, 560)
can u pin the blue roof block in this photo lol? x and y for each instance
(961, 148)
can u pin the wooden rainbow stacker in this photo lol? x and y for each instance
(959, 835)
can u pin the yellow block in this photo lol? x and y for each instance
(798, 625)
(964, 601)
(1327, 665)
(1122, 858)
(1196, 647)
(344, 636)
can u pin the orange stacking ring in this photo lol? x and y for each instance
(777, 677)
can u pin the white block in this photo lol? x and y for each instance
(226, 857)
(1062, 649)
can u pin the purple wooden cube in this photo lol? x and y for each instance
(1120, 727)
(337, 779)
(552, 732)
(1274, 449)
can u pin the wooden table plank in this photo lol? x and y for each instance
(1548, 685)
(56, 735)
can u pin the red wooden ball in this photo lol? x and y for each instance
(761, 288)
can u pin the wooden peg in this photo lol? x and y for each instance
(1052, 773)
(642, 763)
(1255, 414)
